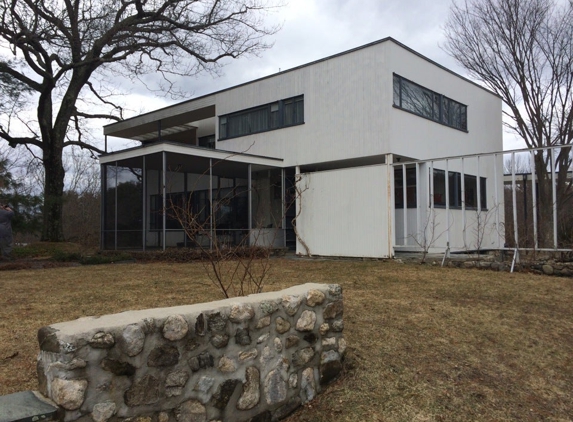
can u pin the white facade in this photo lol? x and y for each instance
(344, 147)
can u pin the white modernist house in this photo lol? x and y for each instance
(363, 149)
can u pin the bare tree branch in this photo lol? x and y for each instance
(62, 46)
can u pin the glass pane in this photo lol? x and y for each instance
(398, 185)
(471, 191)
(299, 110)
(483, 193)
(397, 80)
(129, 198)
(109, 199)
(454, 188)
(417, 99)
(439, 187)
(258, 120)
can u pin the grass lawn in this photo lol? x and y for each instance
(425, 343)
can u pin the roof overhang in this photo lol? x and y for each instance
(163, 123)
(189, 155)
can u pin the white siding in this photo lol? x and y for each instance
(344, 212)
(345, 105)
(420, 138)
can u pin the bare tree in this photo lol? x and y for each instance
(295, 200)
(66, 54)
(236, 261)
(428, 234)
(523, 51)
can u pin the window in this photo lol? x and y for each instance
(410, 187)
(283, 113)
(207, 141)
(455, 190)
(423, 102)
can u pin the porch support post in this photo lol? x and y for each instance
(554, 197)
(496, 204)
(297, 203)
(418, 203)
(390, 202)
(211, 211)
(514, 202)
(103, 200)
(283, 222)
(164, 195)
(534, 197)
(144, 208)
(186, 205)
(447, 254)
(405, 208)
(463, 200)
(250, 200)
(431, 215)
(478, 189)
(115, 212)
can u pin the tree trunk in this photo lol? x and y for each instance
(52, 228)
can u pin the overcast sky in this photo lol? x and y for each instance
(313, 29)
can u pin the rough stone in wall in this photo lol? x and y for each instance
(254, 358)
(547, 267)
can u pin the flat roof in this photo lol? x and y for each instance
(190, 151)
(146, 118)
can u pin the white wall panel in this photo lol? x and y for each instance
(344, 212)
(421, 138)
(345, 109)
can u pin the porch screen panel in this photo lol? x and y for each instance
(130, 205)
(109, 206)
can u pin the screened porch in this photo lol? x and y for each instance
(169, 195)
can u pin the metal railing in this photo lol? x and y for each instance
(446, 215)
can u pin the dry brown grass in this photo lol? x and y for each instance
(425, 343)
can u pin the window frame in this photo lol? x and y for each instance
(276, 117)
(411, 188)
(450, 113)
(455, 191)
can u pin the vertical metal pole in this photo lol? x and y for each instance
(497, 202)
(297, 204)
(103, 200)
(429, 215)
(447, 207)
(211, 210)
(144, 204)
(390, 203)
(405, 207)
(479, 221)
(115, 210)
(250, 191)
(514, 200)
(186, 207)
(554, 197)
(478, 187)
(431, 185)
(534, 197)
(418, 203)
(283, 222)
(105, 145)
(164, 196)
(524, 178)
(463, 201)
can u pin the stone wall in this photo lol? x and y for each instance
(547, 267)
(254, 358)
